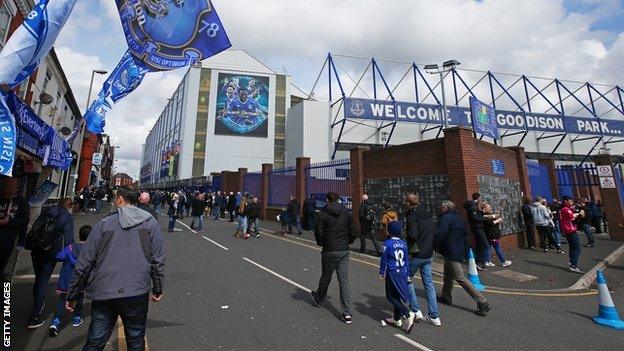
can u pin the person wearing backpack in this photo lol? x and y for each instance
(14, 217)
(50, 233)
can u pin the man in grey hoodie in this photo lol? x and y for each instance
(121, 261)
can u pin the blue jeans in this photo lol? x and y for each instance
(157, 208)
(588, 233)
(499, 252)
(253, 225)
(98, 206)
(216, 212)
(574, 248)
(171, 222)
(242, 224)
(424, 266)
(43, 265)
(557, 232)
(133, 313)
(200, 220)
(296, 222)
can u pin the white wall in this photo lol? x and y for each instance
(308, 133)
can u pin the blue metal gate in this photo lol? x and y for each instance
(325, 177)
(571, 178)
(538, 177)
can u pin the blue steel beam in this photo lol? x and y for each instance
(415, 81)
(543, 96)
(427, 84)
(602, 96)
(574, 96)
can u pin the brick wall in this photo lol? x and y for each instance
(414, 159)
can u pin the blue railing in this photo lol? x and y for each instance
(282, 185)
(251, 183)
(332, 176)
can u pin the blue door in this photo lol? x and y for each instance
(538, 177)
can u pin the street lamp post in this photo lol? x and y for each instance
(447, 66)
(84, 124)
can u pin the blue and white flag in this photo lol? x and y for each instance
(162, 35)
(126, 77)
(483, 118)
(166, 35)
(8, 138)
(32, 41)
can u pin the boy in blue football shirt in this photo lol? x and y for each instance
(395, 270)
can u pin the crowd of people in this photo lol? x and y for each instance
(92, 198)
(559, 222)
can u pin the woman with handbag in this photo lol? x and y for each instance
(493, 234)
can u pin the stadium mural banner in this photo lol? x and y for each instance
(401, 111)
(242, 107)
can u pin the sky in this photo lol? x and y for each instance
(574, 39)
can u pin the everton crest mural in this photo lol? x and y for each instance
(242, 105)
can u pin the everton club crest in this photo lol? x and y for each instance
(168, 34)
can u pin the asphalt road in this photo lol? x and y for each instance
(224, 293)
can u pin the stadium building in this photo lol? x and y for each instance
(228, 112)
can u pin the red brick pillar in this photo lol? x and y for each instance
(241, 175)
(523, 171)
(459, 149)
(300, 179)
(614, 210)
(264, 189)
(550, 165)
(357, 181)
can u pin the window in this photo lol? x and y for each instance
(5, 22)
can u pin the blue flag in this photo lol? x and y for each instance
(126, 77)
(483, 118)
(32, 40)
(8, 138)
(161, 36)
(166, 35)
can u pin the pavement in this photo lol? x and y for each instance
(224, 293)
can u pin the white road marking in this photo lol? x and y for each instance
(189, 228)
(216, 243)
(412, 342)
(278, 275)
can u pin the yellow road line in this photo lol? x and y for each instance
(493, 291)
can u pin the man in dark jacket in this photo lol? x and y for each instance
(144, 200)
(121, 261)
(223, 200)
(44, 259)
(253, 213)
(99, 195)
(294, 213)
(477, 226)
(451, 242)
(197, 212)
(529, 224)
(14, 217)
(231, 206)
(367, 224)
(420, 231)
(309, 213)
(334, 232)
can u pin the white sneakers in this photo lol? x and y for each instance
(391, 320)
(434, 321)
(490, 264)
(409, 321)
(418, 315)
(507, 263)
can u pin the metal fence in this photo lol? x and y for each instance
(282, 185)
(251, 183)
(332, 176)
(571, 177)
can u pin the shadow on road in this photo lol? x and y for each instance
(546, 264)
(301, 295)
